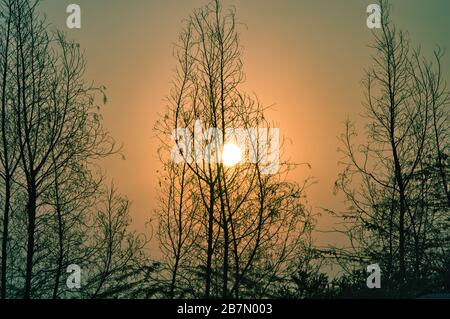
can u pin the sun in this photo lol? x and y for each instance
(231, 154)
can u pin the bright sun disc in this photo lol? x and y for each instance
(231, 154)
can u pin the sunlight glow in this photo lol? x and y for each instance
(231, 154)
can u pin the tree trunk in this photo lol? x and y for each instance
(31, 210)
(5, 236)
(401, 243)
(7, 172)
(210, 243)
(61, 244)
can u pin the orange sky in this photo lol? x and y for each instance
(306, 57)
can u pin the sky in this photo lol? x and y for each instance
(304, 57)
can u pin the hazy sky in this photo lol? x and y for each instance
(306, 57)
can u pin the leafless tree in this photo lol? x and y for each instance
(53, 109)
(225, 231)
(52, 136)
(393, 215)
(9, 152)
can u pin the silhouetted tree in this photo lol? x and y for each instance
(9, 152)
(395, 181)
(52, 136)
(226, 231)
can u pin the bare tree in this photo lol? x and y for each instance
(226, 231)
(393, 217)
(9, 152)
(54, 111)
(52, 136)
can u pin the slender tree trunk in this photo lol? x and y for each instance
(226, 238)
(8, 176)
(31, 210)
(397, 166)
(60, 254)
(401, 243)
(180, 233)
(225, 252)
(210, 242)
(60, 233)
(391, 233)
(174, 278)
(5, 237)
